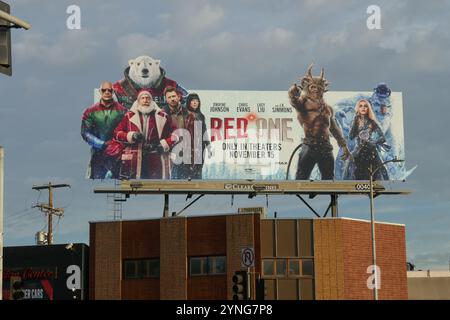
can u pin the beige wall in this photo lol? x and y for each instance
(287, 239)
(429, 285)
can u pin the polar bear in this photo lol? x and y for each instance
(144, 72)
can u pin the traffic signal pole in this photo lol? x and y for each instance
(249, 286)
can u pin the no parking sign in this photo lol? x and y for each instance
(247, 257)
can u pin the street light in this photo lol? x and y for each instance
(372, 221)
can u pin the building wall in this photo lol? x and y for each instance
(339, 247)
(92, 250)
(429, 285)
(343, 252)
(207, 287)
(328, 259)
(206, 236)
(240, 233)
(173, 241)
(140, 240)
(107, 261)
(173, 262)
(287, 239)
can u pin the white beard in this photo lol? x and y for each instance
(147, 109)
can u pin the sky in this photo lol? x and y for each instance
(222, 45)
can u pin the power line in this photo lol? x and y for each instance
(19, 213)
(56, 228)
(19, 217)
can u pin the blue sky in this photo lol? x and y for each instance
(221, 45)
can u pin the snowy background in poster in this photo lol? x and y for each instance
(236, 157)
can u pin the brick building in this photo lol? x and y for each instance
(195, 257)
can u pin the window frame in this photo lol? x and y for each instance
(142, 268)
(287, 274)
(208, 266)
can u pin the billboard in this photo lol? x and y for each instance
(56, 272)
(255, 134)
(163, 131)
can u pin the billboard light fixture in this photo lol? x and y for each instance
(16, 22)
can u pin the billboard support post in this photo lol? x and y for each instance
(334, 205)
(307, 204)
(190, 204)
(166, 205)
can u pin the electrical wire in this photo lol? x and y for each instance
(56, 228)
(70, 201)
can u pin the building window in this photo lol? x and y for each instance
(141, 269)
(202, 266)
(294, 268)
(268, 267)
(288, 267)
(217, 265)
(281, 267)
(130, 269)
(152, 268)
(307, 267)
(198, 266)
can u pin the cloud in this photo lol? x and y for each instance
(137, 44)
(220, 42)
(185, 28)
(433, 260)
(34, 84)
(206, 18)
(399, 37)
(192, 18)
(278, 37)
(71, 49)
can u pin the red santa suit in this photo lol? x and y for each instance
(148, 159)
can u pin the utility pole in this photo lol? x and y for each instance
(1, 222)
(48, 208)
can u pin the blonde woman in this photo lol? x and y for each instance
(369, 138)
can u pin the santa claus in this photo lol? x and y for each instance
(147, 133)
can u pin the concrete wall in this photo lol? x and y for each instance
(429, 285)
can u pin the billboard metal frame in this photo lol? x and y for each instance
(251, 188)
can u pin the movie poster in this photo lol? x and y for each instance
(148, 126)
(254, 134)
